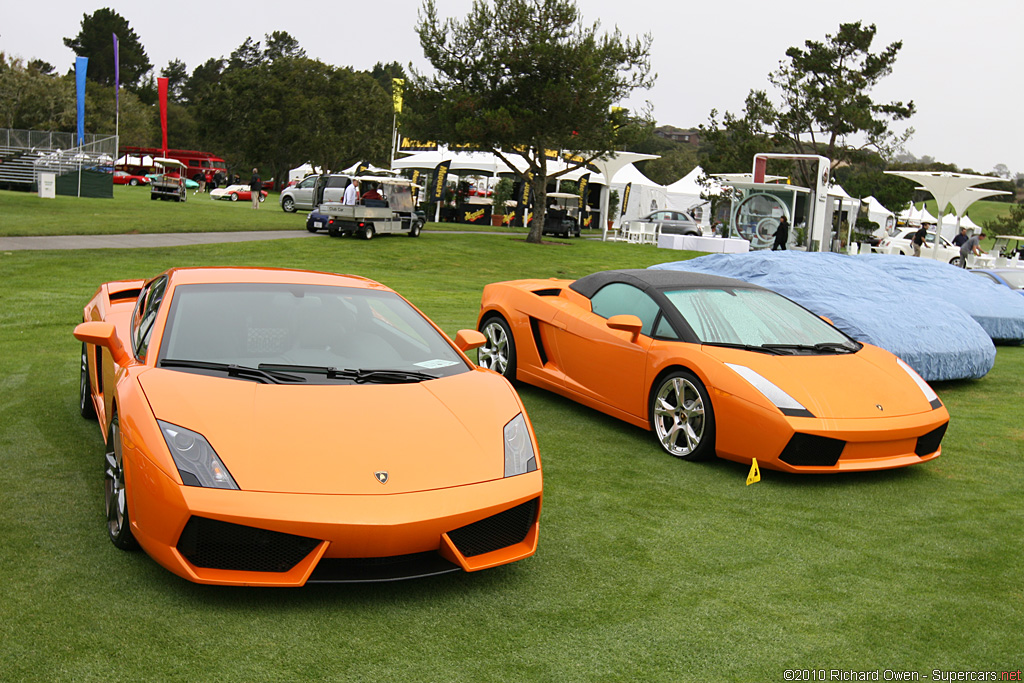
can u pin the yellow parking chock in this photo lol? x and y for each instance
(754, 475)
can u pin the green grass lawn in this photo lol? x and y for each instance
(980, 212)
(649, 568)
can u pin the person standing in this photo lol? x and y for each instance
(352, 193)
(971, 246)
(255, 187)
(959, 240)
(919, 237)
(781, 235)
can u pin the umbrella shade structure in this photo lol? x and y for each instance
(940, 341)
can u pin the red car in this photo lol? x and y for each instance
(125, 178)
(236, 192)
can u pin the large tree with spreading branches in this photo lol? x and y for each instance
(524, 78)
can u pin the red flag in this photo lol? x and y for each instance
(162, 87)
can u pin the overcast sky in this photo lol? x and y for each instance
(959, 61)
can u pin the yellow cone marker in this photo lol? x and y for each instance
(755, 474)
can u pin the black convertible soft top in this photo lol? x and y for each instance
(652, 281)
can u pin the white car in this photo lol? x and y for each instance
(899, 242)
(331, 188)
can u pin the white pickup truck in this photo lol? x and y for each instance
(393, 213)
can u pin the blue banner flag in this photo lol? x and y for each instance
(81, 66)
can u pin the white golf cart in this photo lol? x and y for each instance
(169, 180)
(563, 215)
(394, 213)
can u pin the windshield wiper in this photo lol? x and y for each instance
(821, 347)
(359, 376)
(260, 374)
(767, 348)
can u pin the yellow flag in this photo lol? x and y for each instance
(397, 85)
(755, 474)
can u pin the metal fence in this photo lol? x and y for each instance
(26, 153)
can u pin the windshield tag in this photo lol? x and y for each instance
(436, 363)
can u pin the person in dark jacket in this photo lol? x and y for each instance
(255, 187)
(781, 234)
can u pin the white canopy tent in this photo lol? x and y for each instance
(685, 195)
(645, 195)
(877, 213)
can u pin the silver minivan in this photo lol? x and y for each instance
(303, 195)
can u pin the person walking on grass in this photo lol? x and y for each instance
(255, 187)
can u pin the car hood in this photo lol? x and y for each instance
(866, 384)
(332, 439)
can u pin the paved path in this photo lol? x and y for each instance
(176, 239)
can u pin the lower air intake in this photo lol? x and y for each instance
(929, 443)
(497, 531)
(809, 450)
(212, 544)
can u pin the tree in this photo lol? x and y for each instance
(34, 99)
(826, 105)
(521, 78)
(1011, 223)
(281, 44)
(176, 74)
(96, 42)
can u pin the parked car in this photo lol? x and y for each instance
(899, 242)
(669, 222)
(125, 178)
(235, 192)
(202, 381)
(713, 366)
(1008, 277)
(304, 194)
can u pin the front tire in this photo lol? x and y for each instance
(263, 197)
(234, 196)
(368, 232)
(133, 182)
(85, 406)
(115, 491)
(956, 261)
(414, 231)
(499, 352)
(288, 204)
(682, 417)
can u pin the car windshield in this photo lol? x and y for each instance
(753, 317)
(294, 325)
(1014, 277)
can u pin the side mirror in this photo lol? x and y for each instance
(827, 319)
(626, 323)
(467, 340)
(103, 334)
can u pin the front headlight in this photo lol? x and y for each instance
(519, 455)
(929, 393)
(779, 398)
(195, 458)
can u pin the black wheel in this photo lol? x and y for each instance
(368, 232)
(956, 261)
(577, 233)
(333, 232)
(310, 228)
(133, 182)
(263, 197)
(682, 417)
(499, 352)
(153, 197)
(414, 231)
(115, 491)
(184, 197)
(234, 196)
(288, 204)
(85, 405)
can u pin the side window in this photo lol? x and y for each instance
(622, 299)
(308, 182)
(664, 330)
(144, 317)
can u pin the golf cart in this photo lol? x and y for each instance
(393, 213)
(169, 180)
(563, 215)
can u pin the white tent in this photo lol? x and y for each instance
(879, 214)
(300, 172)
(926, 217)
(949, 225)
(685, 195)
(645, 195)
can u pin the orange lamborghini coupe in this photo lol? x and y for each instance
(277, 427)
(714, 366)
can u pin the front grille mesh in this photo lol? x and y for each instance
(929, 443)
(212, 544)
(810, 450)
(497, 531)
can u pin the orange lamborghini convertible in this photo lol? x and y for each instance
(276, 427)
(714, 366)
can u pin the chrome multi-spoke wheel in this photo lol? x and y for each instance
(499, 352)
(85, 405)
(682, 417)
(115, 493)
